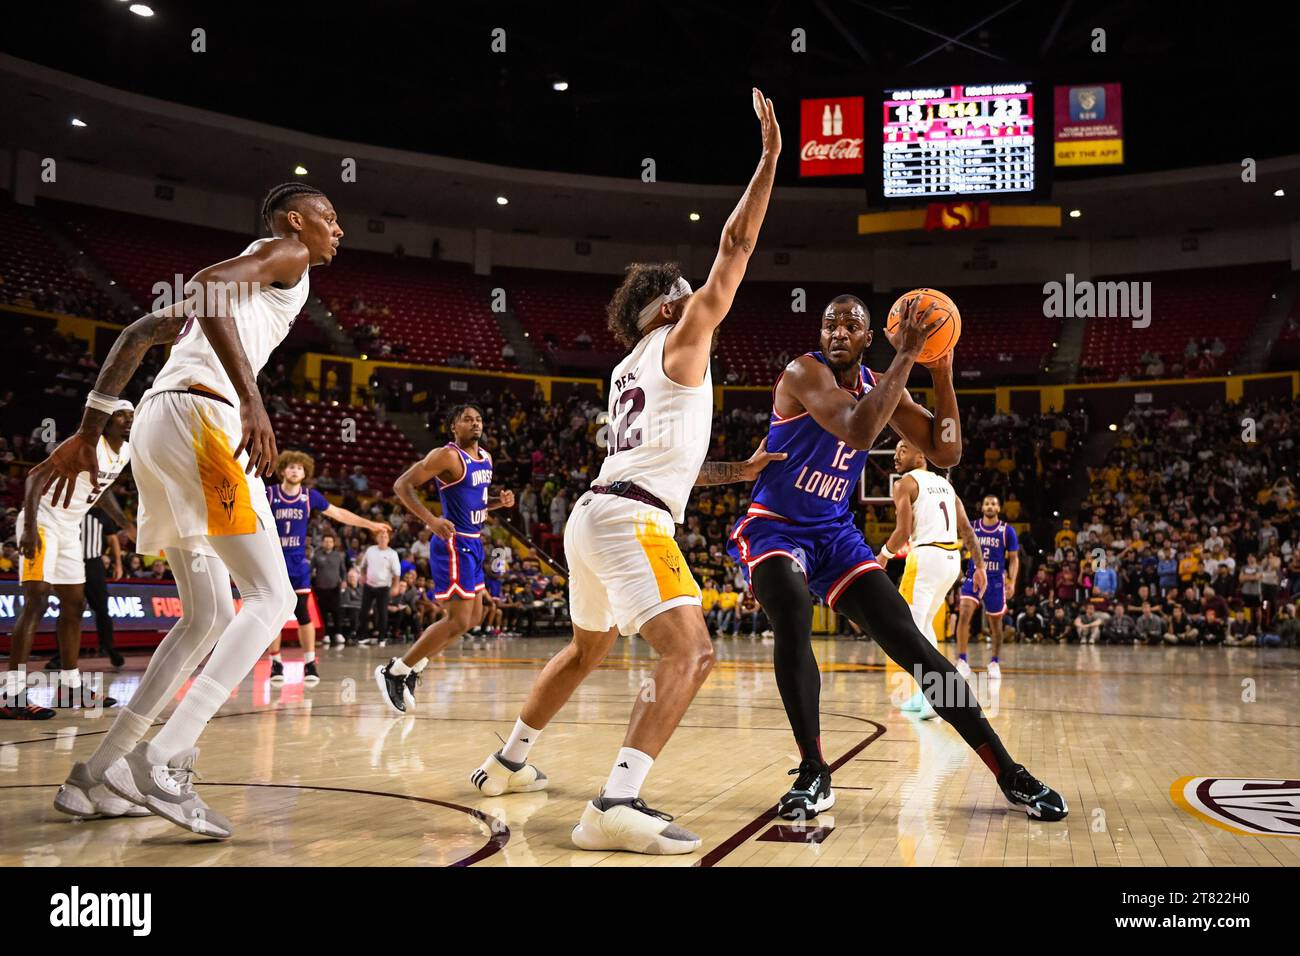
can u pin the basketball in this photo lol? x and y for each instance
(944, 325)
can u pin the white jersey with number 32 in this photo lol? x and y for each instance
(262, 319)
(934, 513)
(659, 431)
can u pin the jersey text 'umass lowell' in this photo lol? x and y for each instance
(465, 500)
(996, 542)
(813, 484)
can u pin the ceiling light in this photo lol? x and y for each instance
(560, 86)
(78, 123)
(1076, 213)
(141, 9)
(300, 170)
(1279, 192)
(502, 201)
(695, 217)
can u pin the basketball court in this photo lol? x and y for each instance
(1114, 728)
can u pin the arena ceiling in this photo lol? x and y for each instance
(668, 79)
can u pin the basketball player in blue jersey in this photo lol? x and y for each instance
(997, 540)
(291, 506)
(827, 411)
(463, 473)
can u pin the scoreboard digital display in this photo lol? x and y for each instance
(958, 141)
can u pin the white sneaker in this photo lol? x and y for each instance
(963, 668)
(81, 795)
(994, 670)
(628, 824)
(167, 790)
(495, 778)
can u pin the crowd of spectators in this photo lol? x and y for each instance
(1188, 535)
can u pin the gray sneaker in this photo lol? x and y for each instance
(81, 795)
(167, 790)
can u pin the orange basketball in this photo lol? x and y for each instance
(944, 325)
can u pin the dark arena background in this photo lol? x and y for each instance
(1110, 195)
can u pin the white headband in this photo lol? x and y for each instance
(680, 289)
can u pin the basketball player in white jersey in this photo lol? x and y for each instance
(933, 526)
(626, 573)
(49, 539)
(202, 442)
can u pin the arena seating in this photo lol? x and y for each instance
(433, 309)
(1286, 350)
(560, 305)
(35, 271)
(1223, 303)
(381, 449)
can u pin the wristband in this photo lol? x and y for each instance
(884, 553)
(108, 404)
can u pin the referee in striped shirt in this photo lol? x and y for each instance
(97, 530)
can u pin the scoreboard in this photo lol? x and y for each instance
(958, 140)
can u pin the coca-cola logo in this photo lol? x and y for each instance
(833, 134)
(840, 149)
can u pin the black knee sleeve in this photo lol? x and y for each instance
(783, 592)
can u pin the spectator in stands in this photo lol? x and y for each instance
(159, 570)
(419, 550)
(1121, 628)
(1030, 626)
(528, 506)
(1213, 629)
(1105, 580)
(381, 567)
(328, 567)
(1059, 626)
(508, 354)
(360, 483)
(350, 606)
(403, 612)
(559, 512)
(728, 602)
(1151, 626)
(1087, 625)
(582, 340)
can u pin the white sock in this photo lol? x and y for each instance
(70, 678)
(423, 663)
(186, 723)
(399, 668)
(521, 741)
(128, 730)
(277, 659)
(309, 657)
(629, 773)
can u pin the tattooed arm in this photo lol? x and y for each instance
(728, 472)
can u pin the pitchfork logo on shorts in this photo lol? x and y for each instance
(674, 563)
(226, 495)
(1244, 805)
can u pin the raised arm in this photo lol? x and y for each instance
(442, 462)
(905, 492)
(728, 472)
(686, 353)
(938, 435)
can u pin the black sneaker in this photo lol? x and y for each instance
(114, 657)
(1024, 792)
(55, 663)
(411, 680)
(277, 672)
(811, 793)
(25, 712)
(391, 688)
(310, 676)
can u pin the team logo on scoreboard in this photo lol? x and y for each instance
(949, 216)
(1087, 104)
(832, 134)
(1242, 805)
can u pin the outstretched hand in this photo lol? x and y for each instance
(759, 460)
(72, 456)
(767, 118)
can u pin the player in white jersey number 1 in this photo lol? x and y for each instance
(626, 572)
(201, 442)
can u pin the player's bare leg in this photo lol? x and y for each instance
(995, 628)
(13, 690)
(965, 614)
(397, 679)
(507, 770)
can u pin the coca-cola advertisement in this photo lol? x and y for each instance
(831, 137)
